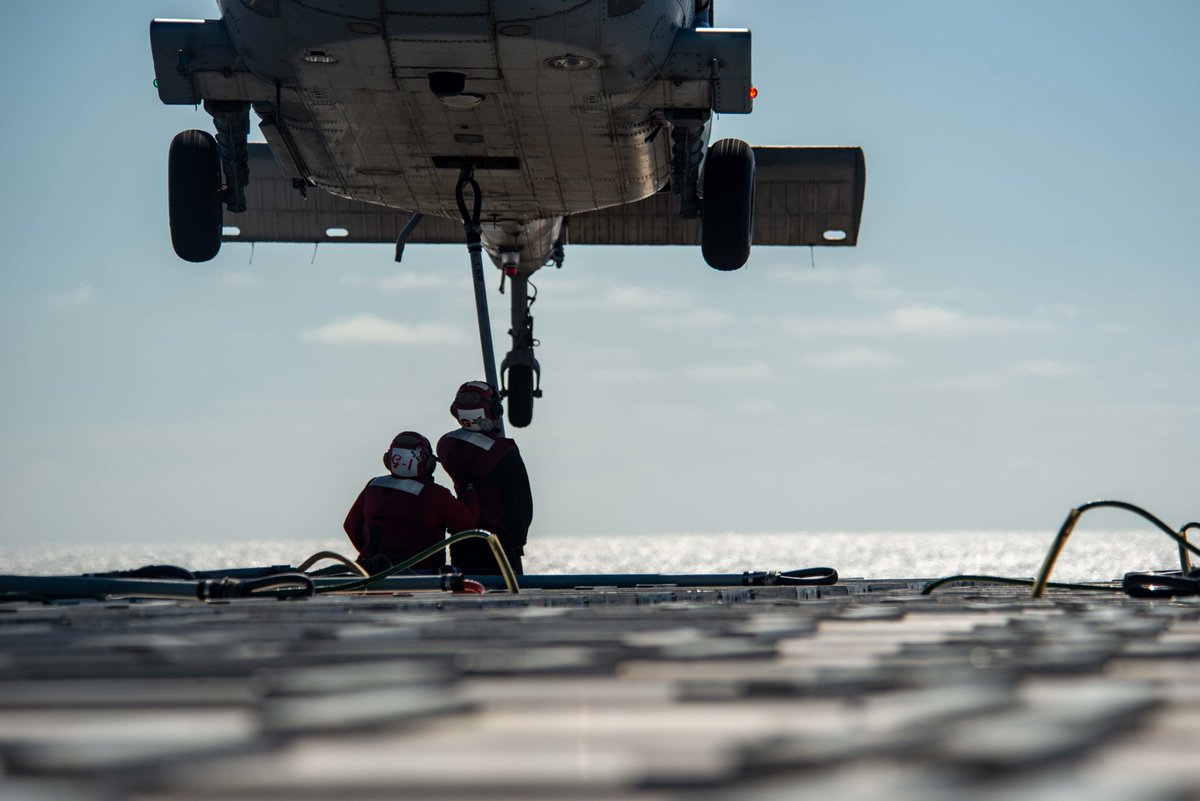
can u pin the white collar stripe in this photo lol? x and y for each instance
(402, 484)
(478, 440)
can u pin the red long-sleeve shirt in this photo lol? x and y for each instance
(399, 517)
(493, 466)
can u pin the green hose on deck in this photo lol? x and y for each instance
(510, 579)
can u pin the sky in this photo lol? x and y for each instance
(1016, 332)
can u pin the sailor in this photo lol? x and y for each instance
(401, 514)
(476, 454)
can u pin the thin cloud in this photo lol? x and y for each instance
(674, 413)
(629, 376)
(722, 373)
(936, 321)
(914, 320)
(397, 282)
(82, 295)
(857, 358)
(1044, 368)
(1063, 311)
(238, 280)
(561, 285)
(867, 283)
(806, 276)
(625, 298)
(757, 406)
(1038, 368)
(979, 382)
(695, 318)
(637, 298)
(824, 276)
(659, 307)
(367, 329)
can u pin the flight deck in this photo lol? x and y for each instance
(861, 689)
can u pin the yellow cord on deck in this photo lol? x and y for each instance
(1039, 586)
(337, 557)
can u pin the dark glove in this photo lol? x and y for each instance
(374, 564)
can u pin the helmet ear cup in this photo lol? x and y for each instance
(429, 466)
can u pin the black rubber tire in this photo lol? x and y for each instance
(520, 395)
(194, 196)
(727, 221)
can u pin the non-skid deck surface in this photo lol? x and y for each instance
(863, 690)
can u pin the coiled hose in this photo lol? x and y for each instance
(1140, 585)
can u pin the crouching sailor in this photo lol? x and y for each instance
(401, 514)
(477, 455)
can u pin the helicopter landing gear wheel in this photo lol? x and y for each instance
(727, 222)
(521, 371)
(194, 196)
(520, 395)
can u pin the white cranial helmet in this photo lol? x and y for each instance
(476, 406)
(411, 456)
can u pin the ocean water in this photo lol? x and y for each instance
(1089, 555)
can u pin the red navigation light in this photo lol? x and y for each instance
(753, 93)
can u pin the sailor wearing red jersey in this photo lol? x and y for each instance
(477, 455)
(398, 515)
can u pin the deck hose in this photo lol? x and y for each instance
(283, 586)
(1165, 584)
(320, 556)
(510, 579)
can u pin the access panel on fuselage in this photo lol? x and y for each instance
(422, 34)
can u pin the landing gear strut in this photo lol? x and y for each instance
(196, 195)
(521, 370)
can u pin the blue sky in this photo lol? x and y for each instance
(1015, 334)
